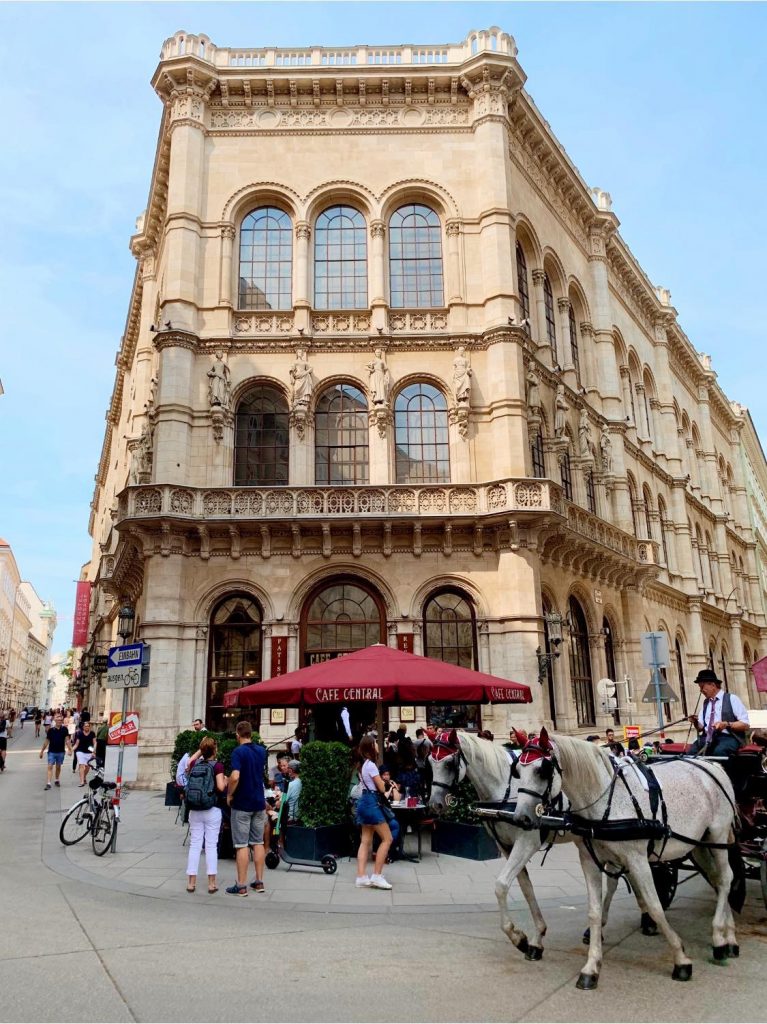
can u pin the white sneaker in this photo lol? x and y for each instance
(379, 882)
(363, 882)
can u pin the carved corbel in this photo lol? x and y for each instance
(513, 535)
(234, 538)
(417, 541)
(387, 548)
(296, 549)
(380, 417)
(447, 539)
(298, 420)
(479, 544)
(266, 542)
(356, 540)
(459, 415)
(327, 541)
(165, 539)
(202, 530)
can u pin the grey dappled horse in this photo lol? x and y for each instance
(701, 809)
(459, 754)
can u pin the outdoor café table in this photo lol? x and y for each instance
(409, 814)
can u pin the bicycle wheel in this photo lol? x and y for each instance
(103, 830)
(76, 824)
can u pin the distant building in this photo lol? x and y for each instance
(391, 374)
(27, 625)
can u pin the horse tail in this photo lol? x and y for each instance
(737, 894)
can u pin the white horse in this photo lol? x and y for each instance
(459, 754)
(700, 809)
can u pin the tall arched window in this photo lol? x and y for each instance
(723, 663)
(341, 617)
(663, 521)
(340, 260)
(647, 502)
(421, 436)
(633, 503)
(266, 260)
(574, 342)
(680, 675)
(701, 561)
(415, 257)
(591, 497)
(234, 656)
(551, 324)
(538, 457)
(523, 286)
(341, 436)
(580, 665)
(261, 438)
(566, 475)
(449, 632)
(612, 671)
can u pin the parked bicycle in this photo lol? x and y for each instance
(95, 814)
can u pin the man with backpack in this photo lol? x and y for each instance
(247, 801)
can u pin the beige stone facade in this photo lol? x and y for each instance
(391, 374)
(27, 625)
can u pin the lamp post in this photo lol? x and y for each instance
(125, 620)
(554, 623)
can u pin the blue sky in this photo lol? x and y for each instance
(662, 105)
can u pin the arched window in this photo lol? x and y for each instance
(591, 498)
(266, 260)
(574, 342)
(449, 632)
(421, 436)
(341, 617)
(538, 457)
(701, 562)
(633, 503)
(647, 502)
(522, 286)
(551, 324)
(744, 585)
(234, 656)
(612, 671)
(566, 475)
(580, 665)
(341, 436)
(723, 663)
(261, 439)
(415, 257)
(680, 675)
(663, 521)
(340, 260)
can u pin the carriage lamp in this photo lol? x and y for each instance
(125, 619)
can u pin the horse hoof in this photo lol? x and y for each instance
(720, 952)
(523, 946)
(534, 953)
(682, 972)
(587, 937)
(587, 981)
(649, 927)
(734, 951)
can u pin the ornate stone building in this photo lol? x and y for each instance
(391, 374)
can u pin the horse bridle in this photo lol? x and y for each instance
(454, 756)
(549, 758)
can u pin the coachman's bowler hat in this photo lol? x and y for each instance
(707, 675)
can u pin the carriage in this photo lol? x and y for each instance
(538, 797)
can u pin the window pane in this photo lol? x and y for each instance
(266, 255)
(415, 257)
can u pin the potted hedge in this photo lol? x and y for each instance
(459, 832)
(323, 807)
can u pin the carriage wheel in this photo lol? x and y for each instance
(666, 878)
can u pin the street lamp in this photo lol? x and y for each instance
(554, 623)
(125, 619)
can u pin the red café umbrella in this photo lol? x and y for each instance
(380, 673)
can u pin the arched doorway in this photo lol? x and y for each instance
(580, 665)
(234, 657)
(339, 617)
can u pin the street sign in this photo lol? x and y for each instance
(663, 693)
(100, 664)
(128, 770)
(128, 667)
(654, 649)
(631, 732)
(126, 733)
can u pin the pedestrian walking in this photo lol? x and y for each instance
(206, 786)
(246, 799)
(57, 744)
(3, 739)
(22, 719)
(84, 746)
(38, 722)
(11, 722)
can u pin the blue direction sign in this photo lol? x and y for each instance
(124, 657)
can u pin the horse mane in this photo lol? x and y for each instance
(583, 764)
(484, 756)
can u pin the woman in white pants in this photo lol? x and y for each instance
(206, 825)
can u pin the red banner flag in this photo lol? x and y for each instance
(759, 668)
(82, 614)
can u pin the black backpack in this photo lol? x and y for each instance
(200, 792)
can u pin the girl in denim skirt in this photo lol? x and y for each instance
(371, 819)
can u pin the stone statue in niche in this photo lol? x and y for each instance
(584, 436)
(220, 386)
(379, 378)
(141, 455)
(152, 397)
(606, 448)
(462, 374)
(301, 380)
(533, 392)
(561, 409)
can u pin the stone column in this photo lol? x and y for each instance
(454, 277)
(226, 286)
(301, 285)
(538, 315)
(564, 347)
(176, 397)
(643, 425)
(378, 280)
(628, 403)
(708, 451)
(589, 376)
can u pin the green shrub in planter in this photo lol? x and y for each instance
(189, 740)
(461, 805)
(325, 775)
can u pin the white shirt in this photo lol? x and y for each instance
(295, 747)
(738, 709)
(345, 721)
(181, 771)
(368, 774)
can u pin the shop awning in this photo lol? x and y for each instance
(380, 673)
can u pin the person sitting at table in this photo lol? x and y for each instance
(391, 789)
(293, 794)
(392, 794)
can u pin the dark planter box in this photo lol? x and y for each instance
(314, 843)
(460, 840)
